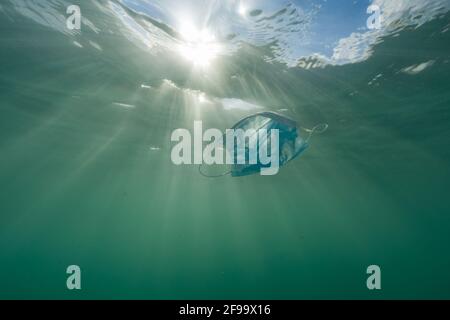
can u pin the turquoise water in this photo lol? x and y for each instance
(87, 179)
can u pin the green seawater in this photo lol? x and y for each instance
(86, 176)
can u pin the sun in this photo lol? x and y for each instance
(242, 10)
(198, 46)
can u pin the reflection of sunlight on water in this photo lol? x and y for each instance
(233, 104)
(199, 47)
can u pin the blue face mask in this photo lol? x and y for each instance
(292, 143)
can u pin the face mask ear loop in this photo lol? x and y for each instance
(212, 176)
(320, 128)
